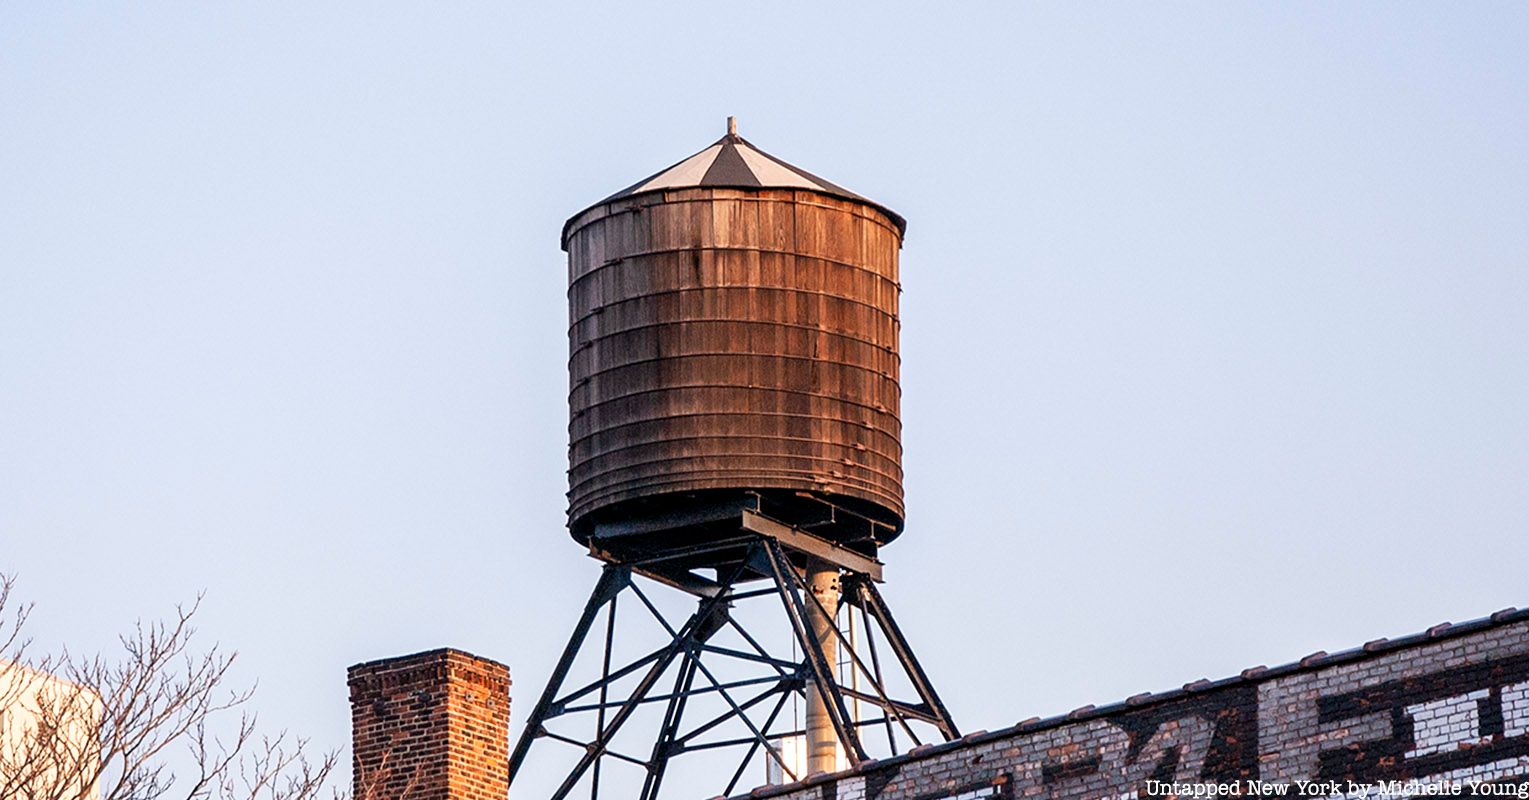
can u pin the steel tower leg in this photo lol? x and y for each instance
(682, 641)
(811, 579)
(613, 579)
(921, 683)
(820, 670)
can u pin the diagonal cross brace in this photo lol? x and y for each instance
(822, 672)
(700, 624)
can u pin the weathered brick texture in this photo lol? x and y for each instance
(430, 726)
(1451, 704)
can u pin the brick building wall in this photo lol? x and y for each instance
(430, 726)
(1449, 704)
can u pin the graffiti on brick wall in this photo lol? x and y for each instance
(1198, 738)
(1457, 711)
(1469, 720)
(1202, 737)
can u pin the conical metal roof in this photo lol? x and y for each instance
(732, 162)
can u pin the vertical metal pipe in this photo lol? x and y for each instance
(822, 741)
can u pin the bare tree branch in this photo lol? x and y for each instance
(107, 727)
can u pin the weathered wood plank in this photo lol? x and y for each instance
(734, 339)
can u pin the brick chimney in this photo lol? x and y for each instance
(430, 726)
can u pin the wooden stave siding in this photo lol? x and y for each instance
(733, 339)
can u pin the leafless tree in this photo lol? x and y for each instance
(109, 727)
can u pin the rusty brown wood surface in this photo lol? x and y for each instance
(733, 339)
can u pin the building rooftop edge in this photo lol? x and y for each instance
(1252, 675)
(39, 672)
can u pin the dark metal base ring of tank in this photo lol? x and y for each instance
(671, 523)
(697, 669)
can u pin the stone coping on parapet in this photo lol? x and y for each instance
(1252, 675)
(424, 656)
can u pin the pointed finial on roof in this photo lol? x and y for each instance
(732, 126)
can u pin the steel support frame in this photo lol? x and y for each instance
(688, 645)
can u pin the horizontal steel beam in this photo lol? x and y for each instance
(696, 515)
(804, 542)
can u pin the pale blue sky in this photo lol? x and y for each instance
(1215, 342)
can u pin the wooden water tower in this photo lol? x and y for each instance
(734, 423)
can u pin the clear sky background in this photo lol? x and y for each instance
(1215, 341)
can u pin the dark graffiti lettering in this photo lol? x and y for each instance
(1213, 737)
(1441, 716)
(1440, 722)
